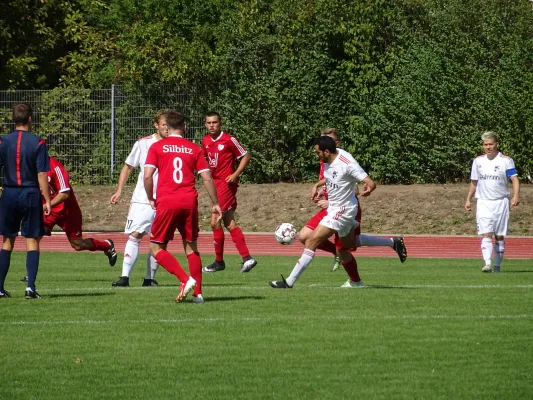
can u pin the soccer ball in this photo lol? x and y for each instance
(285, 233)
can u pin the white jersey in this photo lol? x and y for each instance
(342, 175)
(492, 176)
(137, 158)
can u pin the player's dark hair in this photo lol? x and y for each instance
(326, 143)
(174, 118)
(21, 114)
(213, 114)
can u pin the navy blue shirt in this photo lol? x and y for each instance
(23, 155)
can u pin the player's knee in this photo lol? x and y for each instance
(76, 246)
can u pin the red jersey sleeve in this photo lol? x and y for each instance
(61, 175)
(237, 148)
(201, 163)
(151, 157)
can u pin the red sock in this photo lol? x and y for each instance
(218, 241)
(328, 246)
(99, 245)
(351, 270)
(169, 262)
(195, 269)
(240, 243)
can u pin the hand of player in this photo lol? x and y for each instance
(215, 209)
(115, 197)
(315, 195)
(323, 204)
(515, 201)
(152, 204)
(468, 206)
(47, 208)
(232, 178)
(366, 190)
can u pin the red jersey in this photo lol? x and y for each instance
(58, 182)
(176, 159)
(222, 153)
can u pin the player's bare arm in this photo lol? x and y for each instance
(60, 198)
(122, 179)
(368, 186)
(212, 192)
(315, 193)
(240, 169)
(45, 190)
(515, 200)
(149, 183)
(470, 195)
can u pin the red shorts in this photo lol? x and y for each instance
(227, 195)
(315, 219)
(68, 219)
(166, 221)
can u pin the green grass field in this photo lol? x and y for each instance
(427, 329)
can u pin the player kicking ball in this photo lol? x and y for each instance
(341, 172)
(66, 214)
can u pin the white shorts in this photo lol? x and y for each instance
(140, 218)
(492, 216)
(341, 219)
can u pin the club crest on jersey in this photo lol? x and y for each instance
(334, 175)
(220, 147)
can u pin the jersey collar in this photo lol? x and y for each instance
(218, 137)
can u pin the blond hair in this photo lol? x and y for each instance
(331, 132)
(490, 135)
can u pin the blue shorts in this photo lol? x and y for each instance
(21, 209)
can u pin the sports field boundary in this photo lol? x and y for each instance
(418, 246)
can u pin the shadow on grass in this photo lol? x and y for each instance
(388, 287)
(232, 298)
(52, 296)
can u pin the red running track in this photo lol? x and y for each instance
(265, 244)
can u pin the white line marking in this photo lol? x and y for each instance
(261, 320)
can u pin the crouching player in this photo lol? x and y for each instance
(66, 214)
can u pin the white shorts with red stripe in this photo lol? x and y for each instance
(341, 219)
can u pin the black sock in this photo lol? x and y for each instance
(32, 265)
(5, 261)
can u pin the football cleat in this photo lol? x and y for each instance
(486, 268)
(4, 294)
(280, 284)
(354, 285)
(150, 282)
(248, 265)
(399, 247)
(185, 289)
(111, 253)
(31, 294)
(496, 268)
(198, 299)
(336, 263)
(124, 281)
(215, 267)
(24, 280)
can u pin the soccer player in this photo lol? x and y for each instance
(176, 202)
(396, 243)
(341, 173)
(223, 151)
(66, 214)
(141, 214)
(489, 181)
(25, 160)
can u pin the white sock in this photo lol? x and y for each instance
(131, 252)
(301, 265)
(368, 240)
(499, 249)
(486, 250)
(151, 266)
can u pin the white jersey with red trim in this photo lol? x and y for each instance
(342, 175)
(137, 158)
(492, 176)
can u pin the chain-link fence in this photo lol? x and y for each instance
(92, 131)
